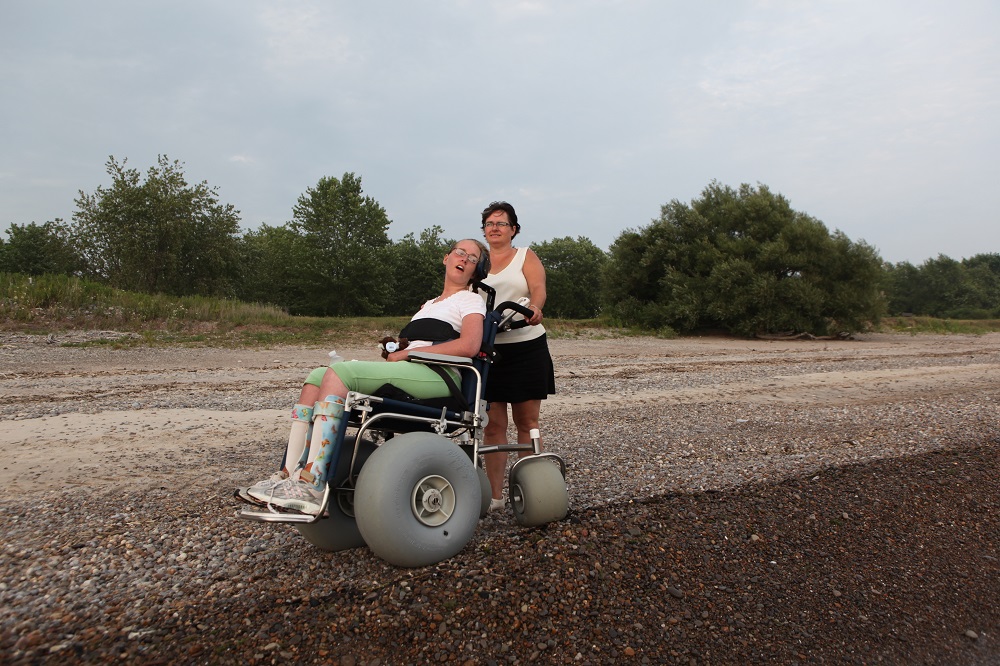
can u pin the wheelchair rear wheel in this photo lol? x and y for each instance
(538, 492)
(484, 484)
(418, 500)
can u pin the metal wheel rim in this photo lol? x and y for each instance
(517, 498)
(345, 500)
(433, 500)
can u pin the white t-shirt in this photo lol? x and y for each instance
(453, 310)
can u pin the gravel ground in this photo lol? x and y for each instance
(732, 502)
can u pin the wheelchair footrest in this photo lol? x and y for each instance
(265, 513)
(273, 516)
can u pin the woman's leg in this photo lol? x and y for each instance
(328, 412)
(298, 436)
(526, 415)
(304, 491)
(496, 433)
(298, 440)
(309, 394)
(332, 385)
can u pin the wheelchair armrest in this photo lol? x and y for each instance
(429, 357)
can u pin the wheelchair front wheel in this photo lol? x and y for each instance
(418, 500)
(338, 530)
(538, 492)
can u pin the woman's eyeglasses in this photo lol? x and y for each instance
(498, 225)
(462, 254)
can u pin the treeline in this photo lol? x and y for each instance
(737, 259)
(946, 288)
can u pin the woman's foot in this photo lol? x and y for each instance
(497, 504)
(293, 493)
(267, 484)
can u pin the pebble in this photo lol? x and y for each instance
(653, 564)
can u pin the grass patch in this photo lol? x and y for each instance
(57, 303)
(917, 325)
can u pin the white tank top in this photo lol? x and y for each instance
(511, 285)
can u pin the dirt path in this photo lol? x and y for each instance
(731, 502)
(103, 413)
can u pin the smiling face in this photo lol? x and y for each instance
(460, 262)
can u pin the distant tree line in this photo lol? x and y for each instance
(946, 288)
(739, 260)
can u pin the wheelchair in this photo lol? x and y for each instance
(406, 479)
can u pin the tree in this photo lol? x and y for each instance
(269, 261)
(158, 235)
(982, 277)
(346, 269)
(573, 276)
(903, 287)
(942, 279)
(850, 276)
(944, 287)
(745, 262)
(37, 249)
(416, 270)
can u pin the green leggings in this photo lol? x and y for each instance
(416, 379)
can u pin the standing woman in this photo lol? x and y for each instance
(522, 374)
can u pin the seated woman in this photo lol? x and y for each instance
(452, 322)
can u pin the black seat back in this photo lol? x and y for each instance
(484, 359)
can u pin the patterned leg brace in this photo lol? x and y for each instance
(298, 437)
(326, 423)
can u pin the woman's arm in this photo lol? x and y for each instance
(467, 344)
(534, 274)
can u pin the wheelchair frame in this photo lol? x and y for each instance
(415, 498)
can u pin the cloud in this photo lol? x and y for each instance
(878, 118)
(303, 38)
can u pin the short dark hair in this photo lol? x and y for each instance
(505, 207)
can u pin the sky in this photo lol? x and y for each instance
(880, 118)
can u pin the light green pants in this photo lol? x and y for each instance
(416, 379)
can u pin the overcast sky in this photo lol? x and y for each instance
(881, 118)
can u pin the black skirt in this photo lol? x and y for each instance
(521, 371)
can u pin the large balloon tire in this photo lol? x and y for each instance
(418, 500)
(338, 530)
(484, 484)
(538, 493)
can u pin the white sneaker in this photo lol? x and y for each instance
(262, 489)
(497, 504)
(296, 494)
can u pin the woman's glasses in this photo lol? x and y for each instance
(462, 254)
(498, 225)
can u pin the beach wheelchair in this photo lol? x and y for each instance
(407, 479)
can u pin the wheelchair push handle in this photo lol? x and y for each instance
(508, 309)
